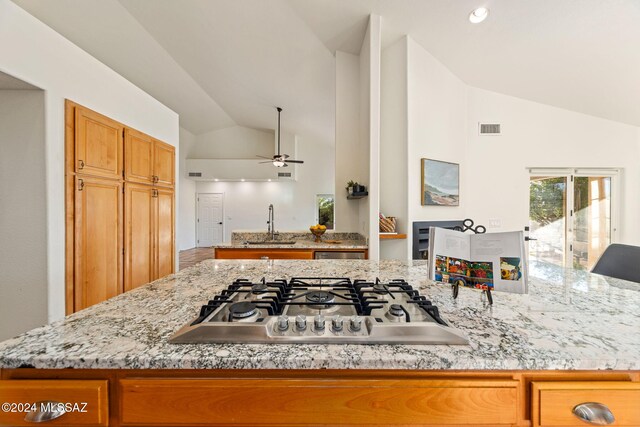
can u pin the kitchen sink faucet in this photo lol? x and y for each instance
(271, 228)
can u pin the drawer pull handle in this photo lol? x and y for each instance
(55, 410)
(594, 413)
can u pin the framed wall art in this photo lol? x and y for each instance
(440, 183)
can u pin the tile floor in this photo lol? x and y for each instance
(193, 256)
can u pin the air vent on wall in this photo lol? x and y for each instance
(489, 129)
(195, 173)
(284, 174)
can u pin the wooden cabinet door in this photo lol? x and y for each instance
(98, 144)
(164, 220)
(164, 163)
(138, 157)
(138, 235)
(98, 240)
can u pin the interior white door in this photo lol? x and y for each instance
(210, 220)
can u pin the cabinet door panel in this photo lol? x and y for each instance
(90, 396)
(239, 253)
(311, 402)
(138, 157)
(98, 240)
(553, 401)
(98, 145)
(164, 233)
(164, 163)
(138, 235)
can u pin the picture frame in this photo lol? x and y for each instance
(440, 183)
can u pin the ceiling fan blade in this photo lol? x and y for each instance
(263, 157)
(294, 161)
(269, 161)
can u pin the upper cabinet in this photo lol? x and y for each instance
(163, 163)
(138, 157)
(98, 145)
(147, 160)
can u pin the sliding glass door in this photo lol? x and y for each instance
(571, 215)
(548, 218)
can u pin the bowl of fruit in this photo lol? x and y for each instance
(318, 230)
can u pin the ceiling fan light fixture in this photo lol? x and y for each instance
(279, 163)
(478, 15)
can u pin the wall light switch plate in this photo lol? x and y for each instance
(495, 223)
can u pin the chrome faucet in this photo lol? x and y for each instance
(271, 228)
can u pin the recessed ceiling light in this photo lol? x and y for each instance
(242, 180)
(216, 180)
(478, 15)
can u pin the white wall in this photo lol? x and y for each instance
(347, 156)
(235, 142)
(33, 52)
(373, 122)
(23, 245)
(246, 203)
(437, 122)
(537, 135)
(393, 146)
(187, 197)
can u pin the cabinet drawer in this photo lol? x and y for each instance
(235, 253)
(553, 402)
(161, 402)
(77, 393)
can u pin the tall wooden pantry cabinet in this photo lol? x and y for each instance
(120, 208)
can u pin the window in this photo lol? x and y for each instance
(325, 210)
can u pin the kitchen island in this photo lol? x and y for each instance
(575, 336)
(291, 245)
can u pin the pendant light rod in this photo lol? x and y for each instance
(279, 111)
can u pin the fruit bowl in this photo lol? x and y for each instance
(317, 231)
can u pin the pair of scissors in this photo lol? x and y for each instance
(467, 224)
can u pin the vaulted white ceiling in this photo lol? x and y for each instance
(224, 62)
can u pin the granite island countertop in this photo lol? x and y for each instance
(302, 239)
(571, 320)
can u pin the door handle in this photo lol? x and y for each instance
(220, 223)
(527, 238)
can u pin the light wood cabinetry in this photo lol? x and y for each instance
(163, 230)
(165, 397)
(177, 402)
(138, 235)
(90, 395)
(553, 402)
(163, 164)
(274, 253)
(147, 160)
(98, 221)
(98, 145)
(114, 241)
(138, 163)
(240, 253)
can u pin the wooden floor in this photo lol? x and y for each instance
(193, 256)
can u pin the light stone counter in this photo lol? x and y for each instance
(570, 320)
(302, 239)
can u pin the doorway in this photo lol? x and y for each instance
(572, 215)
(210, 219)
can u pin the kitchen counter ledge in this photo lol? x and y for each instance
(571, 320)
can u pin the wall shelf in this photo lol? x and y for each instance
(392, 236)
(357, 195)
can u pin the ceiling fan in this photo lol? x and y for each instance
(280, 160)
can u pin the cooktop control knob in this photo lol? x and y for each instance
(283, 323)
(336, 323)
(318, 322)
(356, 323)
(301, 322)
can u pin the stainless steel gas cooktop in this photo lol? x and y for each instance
(319, 310)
